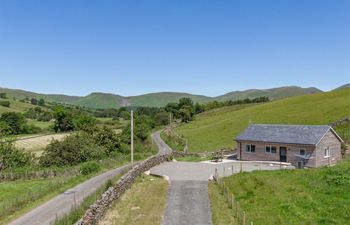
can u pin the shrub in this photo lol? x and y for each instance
(11, 157)
(63, 120)
(15, 121)
(108, 139)
(89, 167)
(74, 149)
(84, 122)
(5, 103)
(3, 95)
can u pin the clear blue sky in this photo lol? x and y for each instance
(203, 47)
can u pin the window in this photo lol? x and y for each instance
(273, 149)
(270, 149)
(302, 151)
(250, 148)
(327, 152)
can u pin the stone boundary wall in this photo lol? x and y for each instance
(99, 208)
(340, 122)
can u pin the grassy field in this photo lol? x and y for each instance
(36, 144)
(143, 204)
(15, 106)
(192, 159)
(313, 196)
(216, 129)
(221, 214)
(44, 125)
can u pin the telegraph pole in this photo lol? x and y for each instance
(132, 138)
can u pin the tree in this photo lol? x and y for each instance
(41, 102)
(185, 102)
(84, 122)
(15, 121)
(11, 157)
(199, 108)
(162, 118)
(5, 103)
(3, 95)
(34, 101)
(185, 114)
(63, 120)
(173, 108)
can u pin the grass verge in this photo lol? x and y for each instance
(294, 197)
(143, 204)
(192, 159)
(220, 212)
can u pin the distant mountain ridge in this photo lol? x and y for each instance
(107, 100)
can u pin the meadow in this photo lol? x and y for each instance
(313, 196)
(217, 129)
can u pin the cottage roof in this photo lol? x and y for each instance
(292, 134)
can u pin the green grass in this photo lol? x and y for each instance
(310, 196)
(15, 106)
(193, 159)
(221, 214)
(137, 208)
(44, 125)
(214, 130)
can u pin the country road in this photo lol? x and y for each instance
(60, 205)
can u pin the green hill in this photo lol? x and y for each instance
(15, 106)
(106, 100)
(100, 101)
(162, 98)
(273, 93)
(216, 129)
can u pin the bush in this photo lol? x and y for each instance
(74, 149)
(108, 139)
(5, 103)
(63, 120)
(11, 157)
(89, 167)
(15, 121)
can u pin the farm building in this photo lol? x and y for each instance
(300, 145)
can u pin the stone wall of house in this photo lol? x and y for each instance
(260, 153)
(98, 209)
(331, 141)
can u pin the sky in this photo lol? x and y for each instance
(196, 46)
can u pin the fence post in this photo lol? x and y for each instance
(231, 201)
(236, 209)
(232, 169)
(251, 223)
(243, 217)
(241, 167)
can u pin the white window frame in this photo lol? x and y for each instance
(248, 148)
(268, 151)
(327, 152)
(302, 149)
(275, 149)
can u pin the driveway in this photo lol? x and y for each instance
(188, 201)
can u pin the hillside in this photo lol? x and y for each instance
(273, 93)
(162, 98)
(15, 106)
(315, 196)
(106, 100)
(343, 86)
(216, 129)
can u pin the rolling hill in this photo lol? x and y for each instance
(216, 129)
(107, 100)
(272, 93)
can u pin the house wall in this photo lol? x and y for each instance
(331, 141)
(292, 152)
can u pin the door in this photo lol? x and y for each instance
(283, 154)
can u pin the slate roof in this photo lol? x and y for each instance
(291, 134)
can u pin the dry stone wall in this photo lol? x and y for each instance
(97, 210)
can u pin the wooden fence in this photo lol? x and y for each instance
(240, 215)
